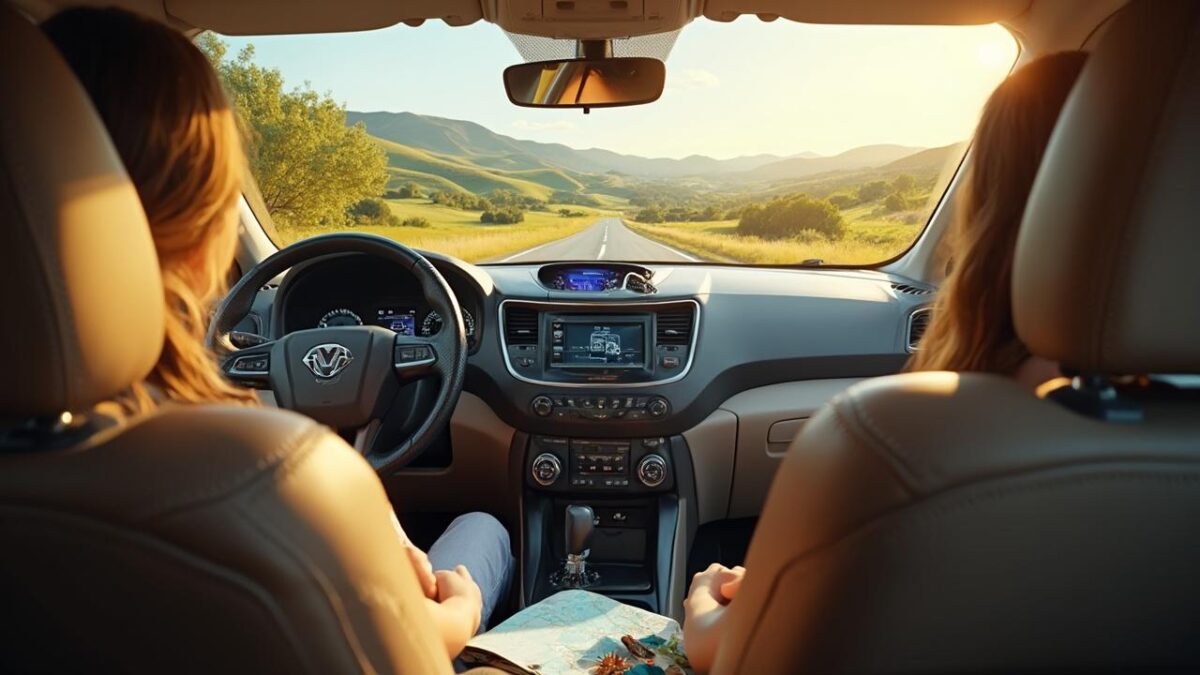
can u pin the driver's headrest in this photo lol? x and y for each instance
(80, 290)
(1107, 270)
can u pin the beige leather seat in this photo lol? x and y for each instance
(203, 539)
(943, 523)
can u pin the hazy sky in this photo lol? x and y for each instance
(738, 88)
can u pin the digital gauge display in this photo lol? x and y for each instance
(585, 279)
(397, 320)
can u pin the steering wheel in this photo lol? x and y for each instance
(347, 376)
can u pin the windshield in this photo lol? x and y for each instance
(773, 143)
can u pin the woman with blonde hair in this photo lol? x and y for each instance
(175, 132)
(972, 327)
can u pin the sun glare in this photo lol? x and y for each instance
(995, 53)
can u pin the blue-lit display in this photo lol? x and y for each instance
(587, 279)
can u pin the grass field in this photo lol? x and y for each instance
(460, 234)
(868, 240)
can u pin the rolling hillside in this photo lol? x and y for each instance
(458, 156)
(487, 148)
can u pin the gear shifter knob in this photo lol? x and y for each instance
(579, 519)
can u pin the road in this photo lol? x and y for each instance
(606, 239)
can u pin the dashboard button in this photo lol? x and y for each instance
(542, 406)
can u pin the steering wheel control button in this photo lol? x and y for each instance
(413, 355)
(546, 469)
(251, 364)
(652, 470)
(542, 406)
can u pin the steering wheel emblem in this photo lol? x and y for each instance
(327, 360)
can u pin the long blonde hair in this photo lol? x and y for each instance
(177, 135)
(972, 328)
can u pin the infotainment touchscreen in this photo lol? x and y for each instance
(598, 345)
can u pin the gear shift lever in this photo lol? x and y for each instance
(578, 527)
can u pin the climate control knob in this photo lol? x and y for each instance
(546, 469)
(542, 406)
(652, 470)
(657, 407)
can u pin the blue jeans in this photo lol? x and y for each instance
(480, 543)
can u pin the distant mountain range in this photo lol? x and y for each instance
(446, 154)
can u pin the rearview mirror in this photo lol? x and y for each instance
(585, 83)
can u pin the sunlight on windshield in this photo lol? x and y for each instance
(774, 143)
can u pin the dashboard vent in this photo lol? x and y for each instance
(918, 321)
(521, 326)
(911, 289)
(674, 326)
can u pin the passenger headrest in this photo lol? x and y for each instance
(80, 290)
(1106, 277)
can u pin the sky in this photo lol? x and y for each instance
(739, 88)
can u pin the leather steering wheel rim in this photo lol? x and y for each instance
(451, 341)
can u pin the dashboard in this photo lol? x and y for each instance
(561, 349)
(354, 290)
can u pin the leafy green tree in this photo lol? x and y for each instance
(895, 202)
(650, 214)
(792, 216)
(310, 167)
(903, 183)
(869, 192)
(842, 201)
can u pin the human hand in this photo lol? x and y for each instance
(423, 569)
(456, 609)
(704, 612)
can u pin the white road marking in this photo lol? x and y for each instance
(605, 239)
(601, 255)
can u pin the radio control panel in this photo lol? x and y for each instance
(599, 465)
(600, 408)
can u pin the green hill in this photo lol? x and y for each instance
(467, 176)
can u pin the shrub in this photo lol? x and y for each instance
(788, 217)
(895, 202)
(869, 192)
(416, 221)
(487, 217)
(842, 201)
(650, 214)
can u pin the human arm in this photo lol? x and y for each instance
(704, 612)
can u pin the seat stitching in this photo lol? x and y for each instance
(885, 443)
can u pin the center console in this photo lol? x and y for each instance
(597, 378)
(599, 345)
(632, 489)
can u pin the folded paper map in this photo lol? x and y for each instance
(569, 632)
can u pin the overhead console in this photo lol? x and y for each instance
(598, 344)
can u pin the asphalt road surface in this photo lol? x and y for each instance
(606, 239)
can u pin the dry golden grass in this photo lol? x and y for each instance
(867, 241)
(460, 234)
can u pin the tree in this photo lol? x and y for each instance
(650, 214)
(903, 183)
(869, 192)
(372, 211)
(310, 167)
(895, 202)
(791, 216)
(842, 201)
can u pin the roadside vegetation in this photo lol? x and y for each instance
(316, 173)
(869, 222)
(459, 233)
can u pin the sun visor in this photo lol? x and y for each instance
(269, 17)
(882, 12)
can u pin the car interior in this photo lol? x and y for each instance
(754, 415)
